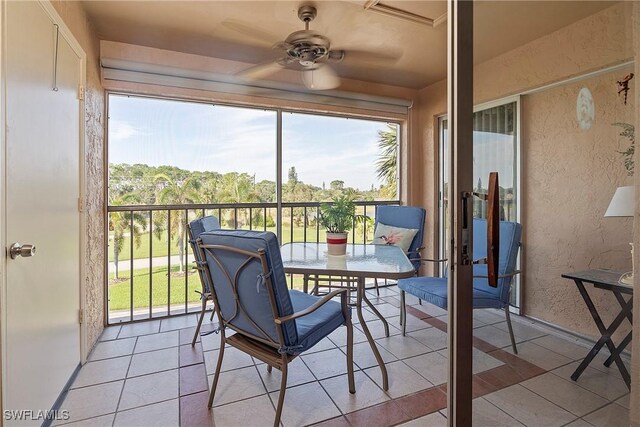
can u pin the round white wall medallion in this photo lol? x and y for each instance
(585, 109)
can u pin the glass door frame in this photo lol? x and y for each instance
(440, 220)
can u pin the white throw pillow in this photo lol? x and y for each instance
(388, 235)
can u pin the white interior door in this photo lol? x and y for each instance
(41, 346)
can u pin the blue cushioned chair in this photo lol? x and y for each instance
(434, 289)
(404, 217)
(250, 294)
(197, 227)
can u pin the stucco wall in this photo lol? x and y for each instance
(635, 362)
(568, 175)
(74, 16)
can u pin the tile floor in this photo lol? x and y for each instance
(147, 374)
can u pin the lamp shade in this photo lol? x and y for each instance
(622, 203)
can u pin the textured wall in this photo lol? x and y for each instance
(74, 16)
(635, 342)
(569, 175)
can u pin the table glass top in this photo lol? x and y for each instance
(376, 260)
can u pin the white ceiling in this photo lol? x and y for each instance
(246, 30)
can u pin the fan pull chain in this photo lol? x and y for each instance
(55, 59)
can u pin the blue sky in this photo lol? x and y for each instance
(224, 139)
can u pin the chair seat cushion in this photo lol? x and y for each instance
(317, 325)
(434, 290)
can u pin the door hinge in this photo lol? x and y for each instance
(80, 204)
(81, 93)
(80, 316)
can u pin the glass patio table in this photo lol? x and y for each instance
(360, 262)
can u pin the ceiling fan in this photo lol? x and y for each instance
(310, 52)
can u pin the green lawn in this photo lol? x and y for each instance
(160, 247)
(119, 292)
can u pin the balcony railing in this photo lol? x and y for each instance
(149, 263)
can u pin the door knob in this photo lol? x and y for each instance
(17, 250)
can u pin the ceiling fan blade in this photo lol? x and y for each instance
(263, 36)
(373, 57)
(321, 77)
(261, 70)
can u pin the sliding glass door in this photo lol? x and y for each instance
(496, 147)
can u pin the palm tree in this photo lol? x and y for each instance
(175, 192)
(237, 188)
(120, 223)
(387, 163)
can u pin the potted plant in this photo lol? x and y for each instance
(338, 218)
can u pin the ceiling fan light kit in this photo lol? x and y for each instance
(308, 51)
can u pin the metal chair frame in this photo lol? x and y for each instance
(264, 347)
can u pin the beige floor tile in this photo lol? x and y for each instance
(568, 348)
(137, 329)
(305, 404)
(540, 356)
(524, 331)
(494, 336)
(116, 348)
(529, 408)
(377, 329)
(386, 309)
(178, 322)
(403, 347)
(157, 341)
(608, 386)
(402, 379)
(324, 344)
(363, 355)
(237, 385)
(432, 337)
(297, 374)
(432, 420)
(481, 360)
(210, 342)
(92, 401)
(326, 364)
(153, 361)
(339, 336)
(367, 392)
(612, 415)
(433, 366)
(625, 401)
(102, 371)
(489, 316)
(565, 394)
(232, 359)
(149, 389)
(579, 423)
(485, 414)
(255, 412)
(414, 324)
(163, 414)
(110, 333)
(103, 421)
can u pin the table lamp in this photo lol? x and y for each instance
(623, 205)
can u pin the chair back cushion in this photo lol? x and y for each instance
(510, 239)
(405, 217)
(196, 228)
(251, 312)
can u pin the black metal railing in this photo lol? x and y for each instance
(151, 240)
